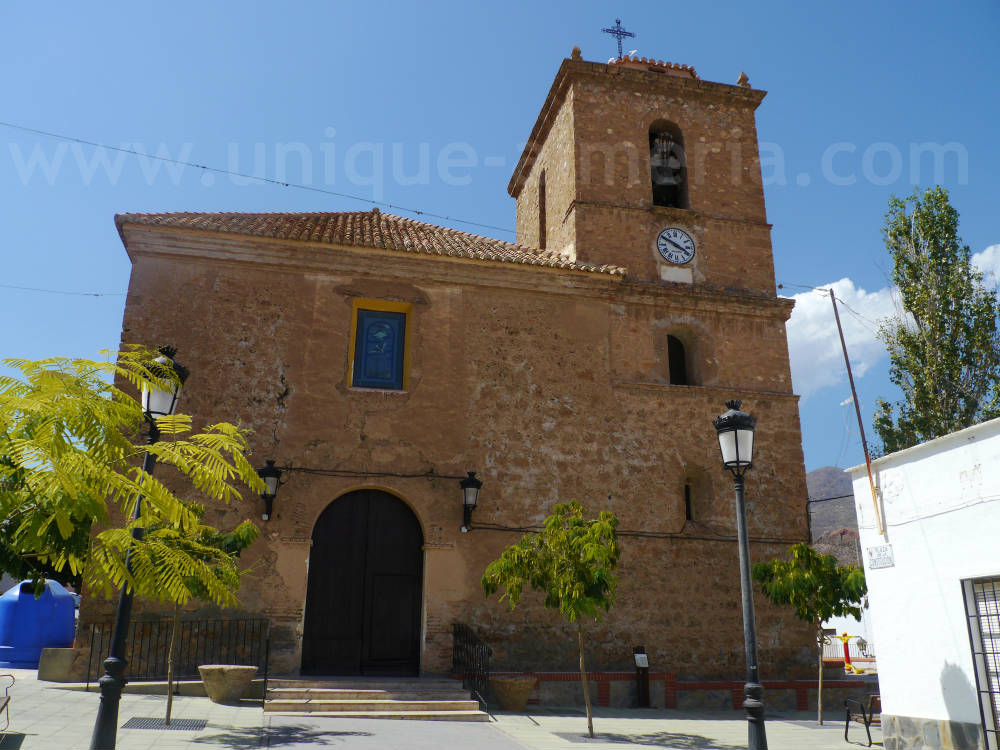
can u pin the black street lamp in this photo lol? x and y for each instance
(470, 497)
(735, 429)
(155, 403)
(271, 475)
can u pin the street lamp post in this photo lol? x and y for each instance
(155, 403)
(735, 429)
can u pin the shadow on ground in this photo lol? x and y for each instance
(546, 711)
(289, 734)
(673, 740)
(11, 740)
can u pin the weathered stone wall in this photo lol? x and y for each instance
(613, 112)
(552, 391)
(552, 385)
(610, 202)
(556, 160)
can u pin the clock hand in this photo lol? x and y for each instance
(683, 249)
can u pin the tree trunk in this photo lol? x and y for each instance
(170, 664)
(819, 682)
(583, 678)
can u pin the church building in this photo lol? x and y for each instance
(379, 360)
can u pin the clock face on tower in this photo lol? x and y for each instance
(675, 245)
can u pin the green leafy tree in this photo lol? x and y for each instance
(817, 588)
(572, 562)
(26, 565)
(944, 351)
(70, 449)
(174, 567)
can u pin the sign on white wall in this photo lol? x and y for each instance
(880, 556)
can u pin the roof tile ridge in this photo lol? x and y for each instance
(207, 214)
(528, 249)
(378, 235)
(449, 230)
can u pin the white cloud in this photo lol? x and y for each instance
(988, 261)
(814, 346)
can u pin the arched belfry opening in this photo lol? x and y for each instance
(668, 165)
(364, 593)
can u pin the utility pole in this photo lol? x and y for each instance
(857, 410)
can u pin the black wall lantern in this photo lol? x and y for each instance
(470, 497)
(271, 475)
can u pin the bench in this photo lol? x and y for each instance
(5, 699)
(867, 715)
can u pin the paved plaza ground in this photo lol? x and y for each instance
(44, 716)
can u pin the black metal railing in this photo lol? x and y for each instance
(471, 659)
(245, 641)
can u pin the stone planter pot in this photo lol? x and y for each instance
(513, 692)
(226, 683)
(56, 664)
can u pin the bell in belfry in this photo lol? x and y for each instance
(666, 166)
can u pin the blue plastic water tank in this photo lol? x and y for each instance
(27, 624)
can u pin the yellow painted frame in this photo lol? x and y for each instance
(381, 305)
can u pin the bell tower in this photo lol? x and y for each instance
(640, 163)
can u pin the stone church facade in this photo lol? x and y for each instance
(379, 358)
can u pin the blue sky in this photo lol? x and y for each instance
(861, 95)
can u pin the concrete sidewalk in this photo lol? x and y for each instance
(47, 716)
(618, 728)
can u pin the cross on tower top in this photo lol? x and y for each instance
(619, 33)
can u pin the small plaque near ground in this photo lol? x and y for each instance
(143, 722)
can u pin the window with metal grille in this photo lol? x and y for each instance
(982, 610)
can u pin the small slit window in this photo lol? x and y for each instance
(542, 229)
(677, 361)
(688, 511)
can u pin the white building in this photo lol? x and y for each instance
(932, 561)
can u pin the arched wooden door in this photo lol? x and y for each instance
(364, 592)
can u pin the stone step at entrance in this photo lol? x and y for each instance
(369, 683)
(317, 693)
(436, 699)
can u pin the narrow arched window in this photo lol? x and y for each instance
(541, 211)
(667, 165)
(677, 361)
(688, 509)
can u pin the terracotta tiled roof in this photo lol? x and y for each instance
(365, 229)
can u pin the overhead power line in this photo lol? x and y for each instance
(810, 287)
(62, 291)
(268, 180)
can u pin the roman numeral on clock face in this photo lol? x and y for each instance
(675, 245)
